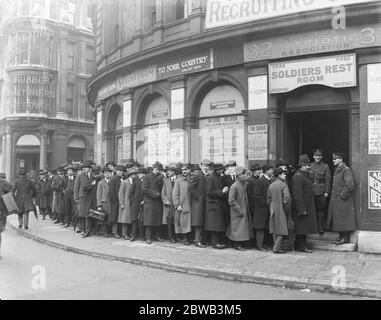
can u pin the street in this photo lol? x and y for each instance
(75, 276)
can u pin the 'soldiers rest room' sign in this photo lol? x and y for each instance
(220, 13)
(336, 72)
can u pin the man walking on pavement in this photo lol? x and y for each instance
(341, 211)
(304, 217)
(321, 178)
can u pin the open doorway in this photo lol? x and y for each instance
(327, 130)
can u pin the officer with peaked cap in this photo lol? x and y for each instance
(304, 213)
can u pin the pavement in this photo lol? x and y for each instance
(352, 273)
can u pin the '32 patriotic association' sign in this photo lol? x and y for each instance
(374, 189)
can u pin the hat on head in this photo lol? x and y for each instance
(278, 171)
(111, 162)
(131, 171)
(231, 163)
(61, 168)
(266, 167)
(87, 164)
(218, 166)
(128, 163)
(281, 162)
(22, 172)
(2, 175)
(206, 162)
(336, 155)
(96, 170)
(69, 167)
(142, 170)
(42, 172)
(239, 170)
(304, 159)
(195, 167)
(171, 166)
(255, 167)
(120, 167)
(318, 152)
(158, 165)
(186, 165)
(106, 168)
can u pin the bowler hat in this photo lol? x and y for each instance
(231, 163)
(2, 175)
(42, 172)
(206, 162)
(69, 167)
(195, 167)
(239, 171)
(61, 168)
(318, 152)
(218, 166)
(158, 165)
(22, 172)
(278, 171)
(110, 162)
(186, 165)
(266, 167)
(337, 155)
(171, 166)
(281, 162)
(141, 170)
(106, 168)
(131, 171)
(304, 159)
(87, 164)
(255, 167)
(96, 170)
(120, 167)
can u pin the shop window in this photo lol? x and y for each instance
(70, 99)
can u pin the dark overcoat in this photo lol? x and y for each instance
(5, 187)
(227, 181)
(341, 211)
(303, 202)
(153, 206)
(250, 192)
(196, 188)
(166, 196)
(82, 193)
(215, 220)
(261, 214)
(137, 198)
(44, 191)
(58, 186)
(113, 191)
(25, 191)
(69, 194)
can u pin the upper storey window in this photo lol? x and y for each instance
(67, 12)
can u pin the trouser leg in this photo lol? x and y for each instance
(114, 229)
(259, 236)
(148, 233)
(169, 231)
(124, 229)
(301, 241)
(345, 235)
(134, 228)
(141, 230)
(20, 217)
(26, 219)
(198, 234)
(278, 239)
(215, 238)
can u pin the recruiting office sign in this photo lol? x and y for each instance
(336, 72)
(374, 189)
(220, 13)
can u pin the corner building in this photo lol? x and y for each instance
(48, 53)
(254, 81)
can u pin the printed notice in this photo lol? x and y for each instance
(374, 189)
(374, 135)
(257, 143)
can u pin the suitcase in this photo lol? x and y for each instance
(98, 215)
(10, 203)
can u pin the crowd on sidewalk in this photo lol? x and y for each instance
(267, 207)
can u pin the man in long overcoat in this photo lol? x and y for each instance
(58, 186)
(197, 195)
(92, 224)
(321, 177)
(256, 172)
(137, 205)
(166, 197)
(82, 196)
(341, 211)
(125, 201)
(261, 214)
(44, 191)
(181, 203)
(114, 186)
(69, 195)
(240, 225)
(103, 198)
(304, 213)
(5, 187)
(215, 220)
(153, 206)
(279, 200)
(24, 190)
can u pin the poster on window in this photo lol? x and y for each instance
(222, 139)
(257, 142)
(374, 135)
(157, 144)
(374, 189)
(176, 153)
(127, 145)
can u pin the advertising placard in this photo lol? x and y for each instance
(258, 92)
(257, 142)
(374, 134)
(374, 82)
(374, 189)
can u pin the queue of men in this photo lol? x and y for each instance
(268, 208)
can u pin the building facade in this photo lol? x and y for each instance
(254, 81)
(49, 53)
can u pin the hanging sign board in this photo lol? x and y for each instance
(336, 72)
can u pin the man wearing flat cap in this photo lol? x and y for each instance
(153, 206)
(114, 187)
(341, 211)
(44, 190)
(166, 197)
(197, 195)
(320, 175)
(261, 214)
(304, 213)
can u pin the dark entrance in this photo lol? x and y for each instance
(327, 130)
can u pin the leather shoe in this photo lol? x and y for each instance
(116, 236)
(26, 228)
(159, 239)
(67, 225)
(262, 249)
(341, 241)
(20, 226)
(306, 250)
(78, 231)
(86, 234)
(133, 238)
(148, 242)
(199, 244)
(172, 241)
(219, 246)
(55, 222)
(279, 251)
(240, 248)
(187, 243)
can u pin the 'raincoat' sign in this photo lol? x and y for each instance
(336, 72)
(374, 189)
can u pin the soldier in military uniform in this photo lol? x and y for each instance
(320, 175)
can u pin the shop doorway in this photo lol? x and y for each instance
(327, 130)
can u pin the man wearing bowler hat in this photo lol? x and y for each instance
(125, 201)
(69, 195)
(137, 205)
(43, 187)
(321, 178)
(114, 187)
(256, 172)
(58, 186)
(341, 211)
(304, 213)
(153, 206)
(103, 198)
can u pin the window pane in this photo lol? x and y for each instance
(22, 49)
